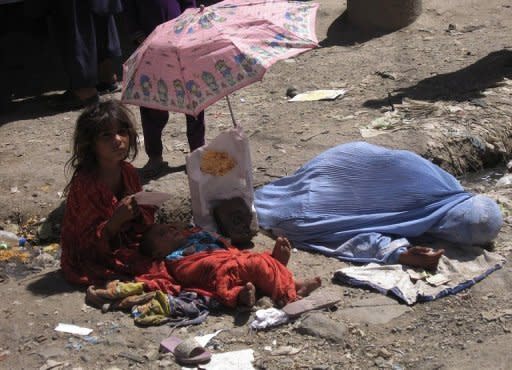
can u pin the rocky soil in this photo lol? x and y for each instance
(438, 87)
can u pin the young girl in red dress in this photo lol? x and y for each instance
(102, 221)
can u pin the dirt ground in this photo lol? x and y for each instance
(446, 75)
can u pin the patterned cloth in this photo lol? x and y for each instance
(197, 242)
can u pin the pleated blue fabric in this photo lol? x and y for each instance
(377, 195)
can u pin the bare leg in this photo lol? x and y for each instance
(247, 296)
(427, 258)
(305, 287)
(282, 250)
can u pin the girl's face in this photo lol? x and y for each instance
(112, 144)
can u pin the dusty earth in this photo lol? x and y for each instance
(446, 76)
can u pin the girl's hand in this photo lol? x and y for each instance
(127, 209)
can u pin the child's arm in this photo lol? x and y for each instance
(126, 211)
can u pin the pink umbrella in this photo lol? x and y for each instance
(192, 61)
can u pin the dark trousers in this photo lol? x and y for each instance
(153, 123)
(86, 38)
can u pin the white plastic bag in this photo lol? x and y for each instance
(206, 189)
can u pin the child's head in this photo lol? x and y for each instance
(98, 124)
(161, 239)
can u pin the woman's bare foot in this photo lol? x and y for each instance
(247, 296)
(282, 250)
(426, 258)
(305, 287)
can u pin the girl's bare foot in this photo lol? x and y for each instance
(282, 250)
(305, 287)
(426, 258)
(247, 296)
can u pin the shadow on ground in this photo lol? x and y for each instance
(31, 68)
(342, 33)
(462, 85)
(50, 283)
(163, 171)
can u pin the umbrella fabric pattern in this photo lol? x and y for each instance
(192, 61)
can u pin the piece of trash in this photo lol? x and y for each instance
(235, 360)
(73, 329)
(268, 318)
(75, 346)
(388, 122)
(315, 95)
(151, 198)
(437, 279)
(54, 365)
(14, 190)
(203, 340)
(417, 275)
(286, 350)
(14, 254)
(52, 248)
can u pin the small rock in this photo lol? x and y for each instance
(44, 260)
(319, 325)
(151, 355)
(167, 364)
(320, 367)
(452, 27)
(264, 303)
(384, 353)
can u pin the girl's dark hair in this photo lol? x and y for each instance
(90, 124)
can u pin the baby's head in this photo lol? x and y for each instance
(161, 239)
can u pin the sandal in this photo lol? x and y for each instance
(186, 352)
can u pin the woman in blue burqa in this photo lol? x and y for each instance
(359, 202)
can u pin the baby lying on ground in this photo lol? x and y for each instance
(208, 264)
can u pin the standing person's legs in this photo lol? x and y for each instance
(108, 47)
(153, 123)
(76, 36)
(195, 131)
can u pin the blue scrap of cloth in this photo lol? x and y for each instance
(197, 242)
(354, 200)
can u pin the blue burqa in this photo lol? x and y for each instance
(359, 202)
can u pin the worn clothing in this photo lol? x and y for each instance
(87, 256)
(198, 242)
(86, 33)
(142, 16)
(154, 122)
(224, 273)
(351, 201)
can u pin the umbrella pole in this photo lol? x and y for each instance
(231, 111)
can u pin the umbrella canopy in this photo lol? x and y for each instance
(206, 53)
